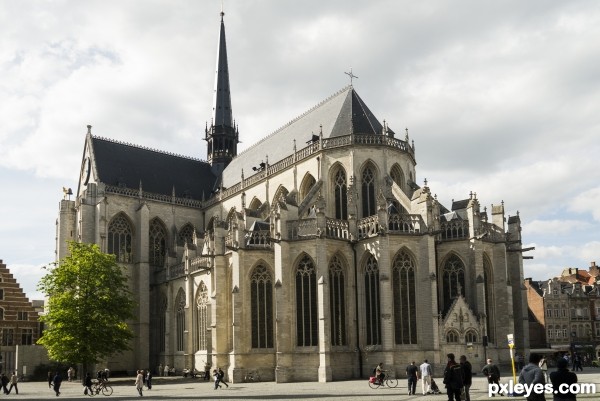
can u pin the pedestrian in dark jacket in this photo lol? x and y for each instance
(563, 376)
(468, 374)
(149, 379)
(57, 381)
(4, 381)
(412, 372)
(88, 384)
(453, 379)
(222, 377)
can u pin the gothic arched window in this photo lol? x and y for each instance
(452, 337)
(453, 280)
(307, 327)
(307, 183)
(180, 320)
(157, 243)
(405, 309)
(120, 239)
(470, 337)
(261, 304)
(340, 191)
(202, 316)
(186, 234)
(368, 192)
(1, 313)
(372, 304)
(397, 175)
(337, 301)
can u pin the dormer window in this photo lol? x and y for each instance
(555, 292)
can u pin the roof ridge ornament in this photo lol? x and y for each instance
(351, 75)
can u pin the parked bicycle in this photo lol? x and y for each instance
(252, 376)
(98, 387)
(375, 383)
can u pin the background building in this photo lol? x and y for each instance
(19, 324)
(312, 255)
(567, 311)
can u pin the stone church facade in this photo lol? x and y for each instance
(311, 256)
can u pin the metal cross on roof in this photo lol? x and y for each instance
(351, 75)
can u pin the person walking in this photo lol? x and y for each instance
(491, 371)
(4, 381)
(87, 383)
(222, 377)
(562, 375)
(217, 380)
(532, 374)
(149, 379)
(412, 372)
(56, 382)
(577, 363)
(425, 369)
(70, 374)
(453, 378)
(160, 369)
(13, 383)
(139, 382)
(50, 378)
(544, 367)
(207, 371)
(166, 370)
(468, 373)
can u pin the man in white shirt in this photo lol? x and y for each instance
(425, 369)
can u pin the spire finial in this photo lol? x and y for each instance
(222, 12)
(351, 75)
(89, 127)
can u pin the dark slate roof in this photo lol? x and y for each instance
(461, 204)
(121, 164)
(341, 114)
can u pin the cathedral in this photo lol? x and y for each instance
(312, 255)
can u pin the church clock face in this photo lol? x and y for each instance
(86, 170)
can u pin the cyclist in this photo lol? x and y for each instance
(379, 372)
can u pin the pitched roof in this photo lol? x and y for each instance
(122, 164)
(341, 114)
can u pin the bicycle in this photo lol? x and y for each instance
(98, 387)
(252, 377)
(375, 383)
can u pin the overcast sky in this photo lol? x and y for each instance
(500, 97)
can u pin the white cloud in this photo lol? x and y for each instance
(587, 202)
(555, 227)
(500, 98)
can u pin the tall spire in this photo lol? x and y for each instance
(222, 114)
(222, 135)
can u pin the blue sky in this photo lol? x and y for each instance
(501, 98)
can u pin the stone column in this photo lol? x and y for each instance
(283, 319)
(325, 374)
(240, 335)
(142, 273)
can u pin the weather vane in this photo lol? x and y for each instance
(351, 75)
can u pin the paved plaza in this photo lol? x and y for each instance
(178, 388)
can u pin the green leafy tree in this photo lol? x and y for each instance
(88, 304)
